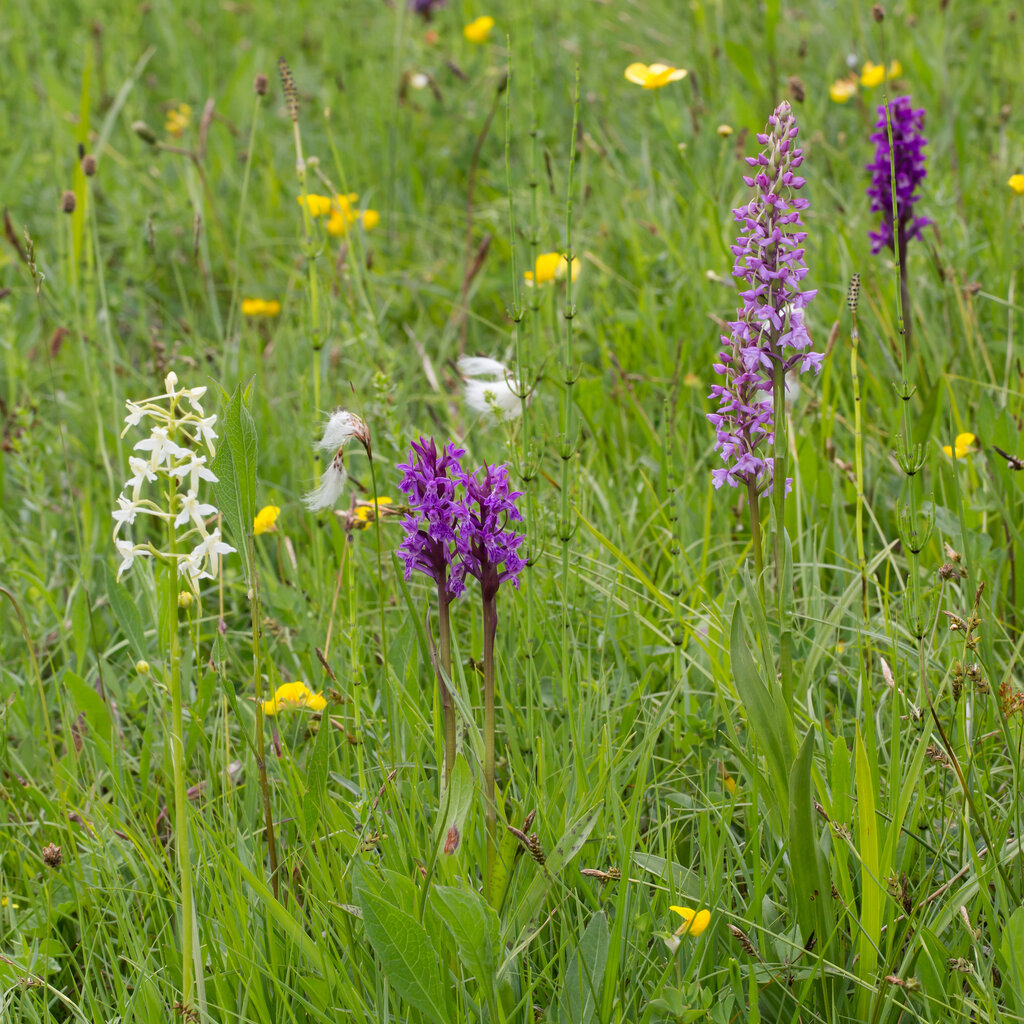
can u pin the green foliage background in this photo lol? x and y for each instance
(637, 684)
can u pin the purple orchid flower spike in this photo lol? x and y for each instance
(907, 159)
(768, 337)
(430, 480)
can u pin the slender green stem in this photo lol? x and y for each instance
(385, 672)
(779, 470)
(444, 673)
(261, 761)
(240, 214)
(348, 565)
(568, 426)
(490, 613)
(181, 838)
(753, 500)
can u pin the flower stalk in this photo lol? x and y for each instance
(490, 622)
(444, 675)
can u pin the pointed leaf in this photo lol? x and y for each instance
(584, 974)
(235, 468)
(403, 947)
(127, 614)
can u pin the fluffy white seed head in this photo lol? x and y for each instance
(332, 483)
(341, 428)
(490, 387)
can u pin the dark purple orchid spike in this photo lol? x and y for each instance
(430, 481)
(768, 332)
(425, 8)
(908, 143)
(488, 548)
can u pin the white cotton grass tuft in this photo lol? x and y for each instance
(340, 428)
(490, 387)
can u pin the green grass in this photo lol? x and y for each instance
(644, 711)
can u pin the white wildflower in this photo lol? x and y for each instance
(125, 512)
(162, 447)
(193, 510)
(204, 427)
(195, 469)
(490, 387)
(141, 472)
(338, 431)
(135, 414)
(211, 547)
(128, 551)
(175, 473)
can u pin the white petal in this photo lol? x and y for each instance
(480, 366)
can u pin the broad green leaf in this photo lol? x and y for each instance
(584, 973)
(762, 714)
(403, 947)
(127, 614)
(1011, 950)
(96, 712)
(683, 881)
(871, 892)
(455, 803)
(235, 468)
(316, 775)
(809, 885)
(841, 793)
(474, 926)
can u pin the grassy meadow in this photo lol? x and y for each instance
(754, 756)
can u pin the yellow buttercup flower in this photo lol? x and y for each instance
(260, 307)
(293, 695)
(694, 921)
(365, 512)
(875, 74)
(654, 76)
(479, 29)
(316, 204)
(1016, 182)
(549, 266)
(266, 520)
(724, 130)
(843, 89)
(178, 119)
(872, 74)
(343, 216)
(963, 445)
